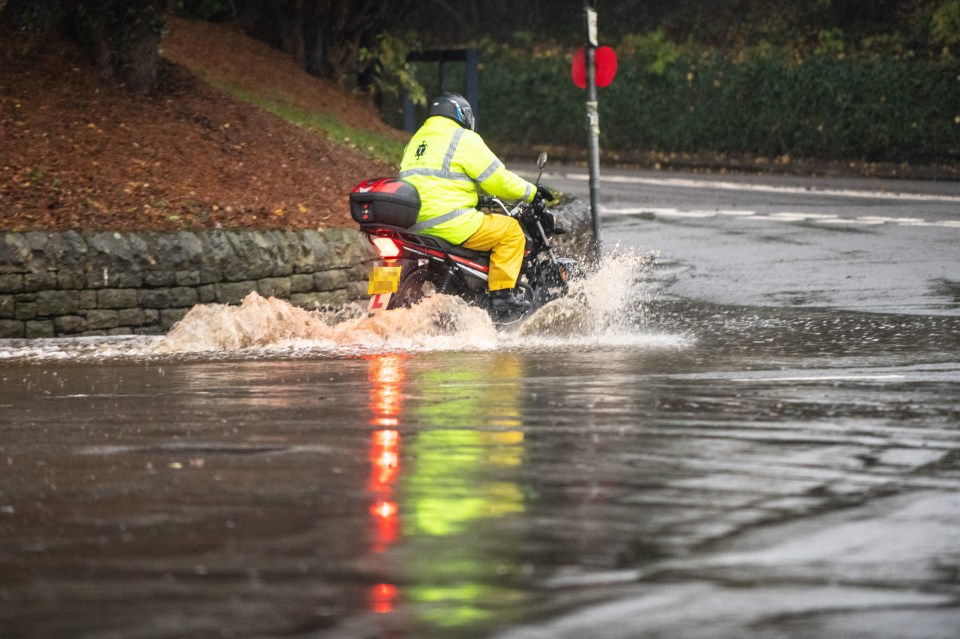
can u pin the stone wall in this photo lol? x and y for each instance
(71, 283)
(54, 284)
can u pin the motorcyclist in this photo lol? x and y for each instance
(446, 160)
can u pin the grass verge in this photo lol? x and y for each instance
(371, 144)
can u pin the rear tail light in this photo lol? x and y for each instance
(387, 247)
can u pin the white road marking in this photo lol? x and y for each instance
(824, 378)
(778, 216)
(760, 188)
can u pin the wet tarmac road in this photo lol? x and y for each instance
(688, 469)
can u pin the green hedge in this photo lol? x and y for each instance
(826, 106)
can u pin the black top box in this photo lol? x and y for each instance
(385, 201)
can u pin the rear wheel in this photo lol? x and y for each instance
(422, 283)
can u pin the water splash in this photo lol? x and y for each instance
(605, 308)
(439, 323)
(610, 300)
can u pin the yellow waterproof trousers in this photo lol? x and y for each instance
(502, 236)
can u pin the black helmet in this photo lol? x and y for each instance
(455, 107)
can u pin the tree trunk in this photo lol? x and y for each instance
(29, 15)
(124, 37)
(324, 35)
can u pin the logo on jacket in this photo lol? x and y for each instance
(421, 149)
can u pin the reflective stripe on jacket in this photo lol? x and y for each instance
(447, 163)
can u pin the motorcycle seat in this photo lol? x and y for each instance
(459, 251)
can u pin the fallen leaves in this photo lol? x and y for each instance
(95, 157)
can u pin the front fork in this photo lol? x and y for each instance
(560, 270)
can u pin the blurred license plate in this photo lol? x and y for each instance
(383, 279)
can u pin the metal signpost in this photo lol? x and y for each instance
(593, 123)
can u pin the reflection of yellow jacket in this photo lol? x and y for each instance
(450, 483)
(446, 163)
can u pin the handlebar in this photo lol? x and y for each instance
(527, 212)
(489, 202)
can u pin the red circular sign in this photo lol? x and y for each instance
(606, 59)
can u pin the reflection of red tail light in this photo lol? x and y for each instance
(386, 375)
(386, 404)
(386, 465)
(387, 247)
(384, 510)
(385, 458)
(386, 437)
(383, 597)
(385, 462)
(385, 514)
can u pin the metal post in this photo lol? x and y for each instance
(471, 60)
(473, 80)
(593, 124)
(409, 114)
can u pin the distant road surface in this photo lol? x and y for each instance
(875, 245)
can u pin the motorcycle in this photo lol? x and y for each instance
(411, 266)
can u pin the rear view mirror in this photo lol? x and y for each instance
(542, 160)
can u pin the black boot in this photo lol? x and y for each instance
(508, 300)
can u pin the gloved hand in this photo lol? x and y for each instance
(540, 199)
(544, 193)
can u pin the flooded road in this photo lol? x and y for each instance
(645, 464)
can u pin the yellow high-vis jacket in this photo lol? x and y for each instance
(447, 163)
